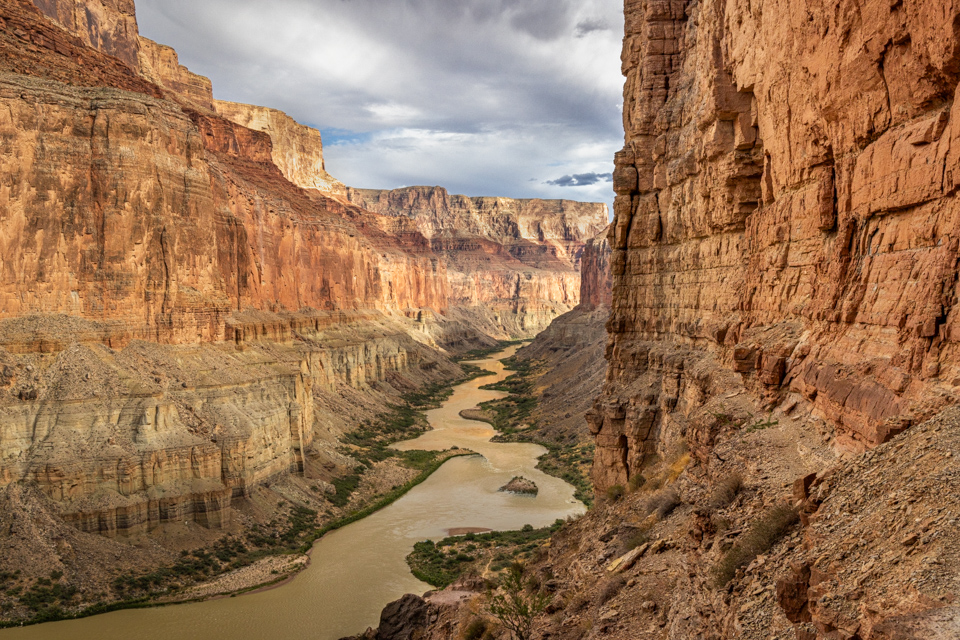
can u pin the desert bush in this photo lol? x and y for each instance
(726, 491)
(475, 629)
(763, 534)
(663, 502)
(615, 492)
(609, 590)
(515, 607)
(636, 481)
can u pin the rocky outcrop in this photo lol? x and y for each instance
(124, 441)
(109, 26)
(595, 283)
(520, 485)
(513, 265)
(786, 206)
(161, 65)
(297, 149)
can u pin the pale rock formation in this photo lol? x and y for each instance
(297, 149)
(161, 65)
(514, 264)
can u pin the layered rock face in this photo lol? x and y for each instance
(109, 26)
(123, 441)
(570, 353)
(297, 150)
(786, 210)
(161, 65)
(514, 263)
(174, 310)
(182, 218)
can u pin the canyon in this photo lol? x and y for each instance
(194, 314)
(776, 431)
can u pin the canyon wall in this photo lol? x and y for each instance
(125, 208)
(297, 149)
(786, 210)
(178, 322)
(569, 353)
(515, 264)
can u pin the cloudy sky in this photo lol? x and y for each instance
(517, 98)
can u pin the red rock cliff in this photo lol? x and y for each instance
(786, 209)
(515, 263)
(125, 208)
(109, 26)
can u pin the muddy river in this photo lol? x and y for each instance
(358, 569)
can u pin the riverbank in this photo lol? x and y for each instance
(357, 562)
(275, 526)
(515, 418)
(268, 572)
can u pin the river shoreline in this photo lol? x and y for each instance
(349, 569)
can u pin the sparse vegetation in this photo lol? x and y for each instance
(725, 491)
(759, 424)
(516, 606)
(615, 492)
(763, 534)
(636, 482)
(635, 539)
(663, 502)
(611, 587)
(443, 562)
(476, 629)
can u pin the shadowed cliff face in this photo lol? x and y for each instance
(786, 209)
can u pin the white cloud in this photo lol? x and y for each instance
(486, 97)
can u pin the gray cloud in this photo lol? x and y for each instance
(581, 179)
(590, 26)
(470, 94)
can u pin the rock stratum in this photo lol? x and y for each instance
(515, 263)
(785, 209)
(191, 307)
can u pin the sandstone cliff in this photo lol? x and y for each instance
(512, 263)
(786, 210)
(784, 265)
(161, 65)
(774, 458)
(109, 26)
(186, 314)
(297, 149)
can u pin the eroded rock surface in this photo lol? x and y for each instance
(785, 208)
(515, 264)
(189, 312)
